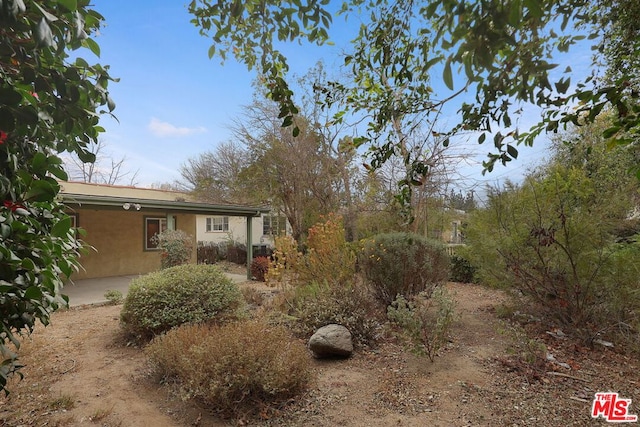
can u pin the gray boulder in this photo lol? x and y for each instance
(331, 341)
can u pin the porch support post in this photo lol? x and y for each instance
(249, 247)
(171, 222)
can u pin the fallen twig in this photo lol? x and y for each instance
(560, 374)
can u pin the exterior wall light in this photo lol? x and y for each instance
(127, 206)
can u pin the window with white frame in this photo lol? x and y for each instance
(217, 223)
(274, 225)
(153, 226)
(74, 220)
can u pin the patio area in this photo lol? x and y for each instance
(91, 291)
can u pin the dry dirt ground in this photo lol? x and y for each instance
(80, 373)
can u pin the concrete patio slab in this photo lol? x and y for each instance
(91, 291)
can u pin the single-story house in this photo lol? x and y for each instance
(121, 221)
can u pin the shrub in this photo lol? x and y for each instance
(235, 368)
(191, 293)
(329, 258)
(526, 354)
(208, 253)
(284, 261)
(252, 296)
(425, 321)
(236, 252)
(620, 308)
(403, 264)
(314, 305)
(461, 270)
(259, 268)
(176, 246)
(550, 239)
(114, 296)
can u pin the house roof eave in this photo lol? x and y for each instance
(110, 202)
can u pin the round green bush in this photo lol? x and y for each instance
(462, 270)
(171, 297)
(403, 264)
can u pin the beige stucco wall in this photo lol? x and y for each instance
(118, 239)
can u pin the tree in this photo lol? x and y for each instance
(337, 148)
(303, 177)
(607, 166)
(497, 51)
(105, 169)
(553, 238)
(621, 41)
(215, 175)
(294, 173)
(50, 102)
(461, 201)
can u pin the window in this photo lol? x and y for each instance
(74, 223)
(217, 223)
(273, 225)
(153, 226)
(74, 220)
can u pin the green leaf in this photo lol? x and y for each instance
(50, 17)
(447, 76)
(59, 173)
(39, 164)
(9, 96)
(42, 191)
(534, 7)
(5, 230)
(563, 85)
(7, 120)
(33, 293)
(70, 5)
(28, 264)
(62, 227)
(86, 156)
(608, 133)
(512, 151)
(92, 45)
(44, 36)
(515, 13)
(110, 104)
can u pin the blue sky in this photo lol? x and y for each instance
(173, 102)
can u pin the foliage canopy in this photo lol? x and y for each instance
(50, 102)
(500, 52)
(561, 238)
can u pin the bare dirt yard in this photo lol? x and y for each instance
(79, 371)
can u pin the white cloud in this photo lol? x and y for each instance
(166, 130)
